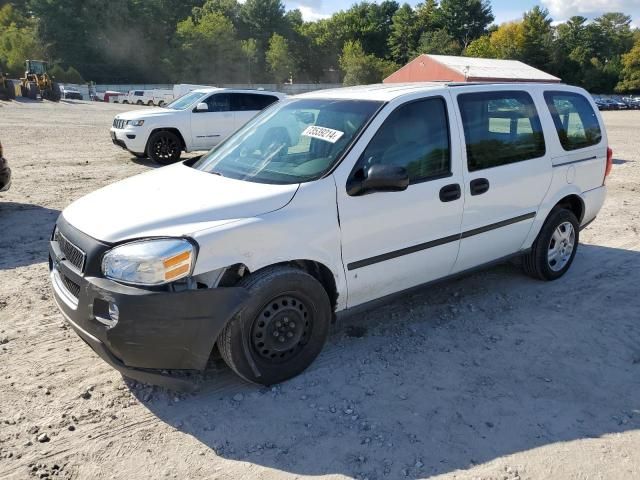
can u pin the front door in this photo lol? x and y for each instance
(392, 241)
(507, 173)
(210, 127)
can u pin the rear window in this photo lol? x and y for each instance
(247, 102)
(500, 128)
(574, 119)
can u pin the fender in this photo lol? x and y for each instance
(298, 231)
(554, 195)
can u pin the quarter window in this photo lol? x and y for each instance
(243, 102)
(575, 120)
(500, 128)
(416, 137)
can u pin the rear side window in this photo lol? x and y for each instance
(243, 102)
(415, 136)
(575, 120)
(500, 128)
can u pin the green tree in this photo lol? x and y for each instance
(537, 38)
(18, 40)
(438, 42)
(630, 79)
(360, 68)
(426, 16)
(464, 20)
(481, 48)
(210, 51)
(279, 58)
(403, 41)
(250, 52)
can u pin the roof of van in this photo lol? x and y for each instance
(248, 90)
(389, 91)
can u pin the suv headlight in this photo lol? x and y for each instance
(135, 123)
(150, 262)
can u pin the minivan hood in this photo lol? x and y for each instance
(147, 112)
(172, 201)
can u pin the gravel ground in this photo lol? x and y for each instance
(493, 376)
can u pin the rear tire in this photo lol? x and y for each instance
(164, 147)
(56, 95)
(555, 248)
(150, 103)
(281, 328)
(139, 102)
(11, 90)
(32, 91)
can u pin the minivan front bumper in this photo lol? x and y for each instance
(155, 330)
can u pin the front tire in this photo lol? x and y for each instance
(281, 329)
(164, 147)
(32, 91)
(555, 248)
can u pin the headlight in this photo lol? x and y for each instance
(135, 123)
(150, 262)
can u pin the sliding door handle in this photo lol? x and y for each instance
(479, 186)
(449, 193)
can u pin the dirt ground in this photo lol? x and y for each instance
(493, 376)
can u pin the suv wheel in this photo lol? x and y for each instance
(281, 329)
(164, 147)
(555, 248)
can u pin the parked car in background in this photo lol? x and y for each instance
(5, 173)
(140, 97)
(70, 92)
(324, 202)
(111, 96)
(197, 121)
(162, 98)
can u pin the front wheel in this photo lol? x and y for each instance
(164, 147)
(281, 329)
(555, 248)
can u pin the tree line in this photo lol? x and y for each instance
(259, 41)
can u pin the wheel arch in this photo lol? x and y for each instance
(167, 129)
(573, 203)
(318, 270)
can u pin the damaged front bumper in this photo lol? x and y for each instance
(155, 330)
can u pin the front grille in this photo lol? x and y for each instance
(119, 123)
(71, 286)
(72, 253)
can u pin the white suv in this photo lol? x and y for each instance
(322, 203)
(198, 120)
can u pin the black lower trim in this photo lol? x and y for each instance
(405, 251)
(576, 161)
(372, 304)
(493, 226)
(435, 243)
(582, 227)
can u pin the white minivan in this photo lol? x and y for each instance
(324, 202)
(199, 120)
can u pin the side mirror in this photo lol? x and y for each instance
(202, 107)
(378, 178)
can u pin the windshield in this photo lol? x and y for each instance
(294, 141)
(186, 101)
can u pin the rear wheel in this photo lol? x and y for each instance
(281, 329)
(555, 248)
(11, 90)
(32, 90)
(139, 102)
(56, 95)
(164, 147)
(161, 103)
(150, 103)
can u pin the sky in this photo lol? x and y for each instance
(503, 10)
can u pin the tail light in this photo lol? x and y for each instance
(609, 166)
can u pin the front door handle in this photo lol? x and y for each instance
(449, 193)
(479, 186)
